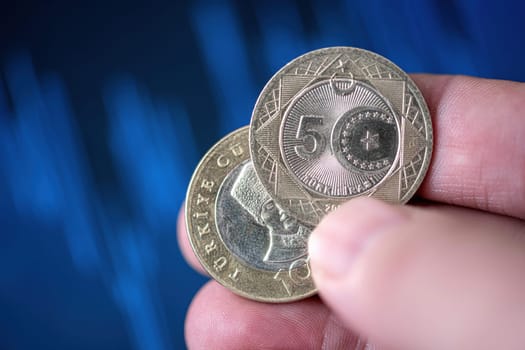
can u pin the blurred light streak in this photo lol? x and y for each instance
(45, 170)
(224, 49)
(43, 160)
(145, 140)
(282, 33)
(133, 281)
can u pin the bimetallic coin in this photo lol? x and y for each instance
(240, 235)
(337, 123)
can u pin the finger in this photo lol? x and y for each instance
(184, 243)
(218, 319)
(479, 158)
(423, 278)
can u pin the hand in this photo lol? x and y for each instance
(446, 274)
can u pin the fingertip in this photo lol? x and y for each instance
(342, 235)
(184, 243)
(200, 317)
(410, 284)
(339, 248)
(219, 319)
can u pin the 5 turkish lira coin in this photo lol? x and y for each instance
(338, 123)
(242, 238)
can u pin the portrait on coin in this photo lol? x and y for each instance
(257, 230)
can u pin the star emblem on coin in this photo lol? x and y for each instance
(370, 141)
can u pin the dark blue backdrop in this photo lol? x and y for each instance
(106, 108)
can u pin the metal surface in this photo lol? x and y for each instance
(337, 123)
(241, 237)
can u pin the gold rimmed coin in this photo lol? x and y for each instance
(242, 238)
(338, 123)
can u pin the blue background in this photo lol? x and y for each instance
(105, 109)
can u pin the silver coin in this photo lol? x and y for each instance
(241, 237)
(337, 123)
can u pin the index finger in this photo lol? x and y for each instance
(479, 156)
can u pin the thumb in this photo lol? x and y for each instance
(436, 277)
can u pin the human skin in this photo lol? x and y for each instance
(445, 272)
